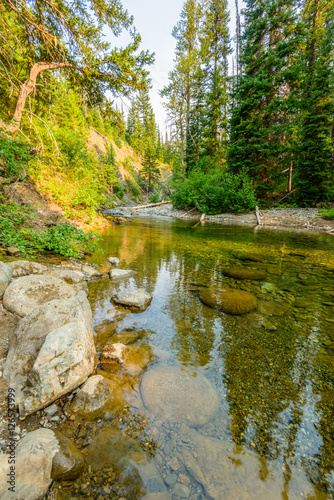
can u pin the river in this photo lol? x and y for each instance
(272, 370)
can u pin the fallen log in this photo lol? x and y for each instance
(189, 211)
(151, 205)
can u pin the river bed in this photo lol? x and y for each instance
(272, 370)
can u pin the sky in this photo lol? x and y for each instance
(154, 20)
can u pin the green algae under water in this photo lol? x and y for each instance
(272, 368)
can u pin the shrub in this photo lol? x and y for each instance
(215, 192)
(327, 214)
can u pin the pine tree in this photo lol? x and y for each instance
(214, 53)
(265, 107)
(180, 91)
(315, 149)
(150, 169)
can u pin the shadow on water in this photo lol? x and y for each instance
(272, 368)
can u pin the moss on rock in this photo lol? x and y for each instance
(230, 301)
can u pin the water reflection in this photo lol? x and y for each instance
(273, 368)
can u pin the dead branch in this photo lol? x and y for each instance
(151, 205)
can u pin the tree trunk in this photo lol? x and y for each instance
(26, 89)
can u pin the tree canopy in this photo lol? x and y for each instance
(41, 35)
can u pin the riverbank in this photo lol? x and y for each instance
(308, 219)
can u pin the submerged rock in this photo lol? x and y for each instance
(240, 273)
(177, 395)
(6, 274)
(25, 267)
(120, 274)
(133, 359)
(138, 299)
(137, 477)
(229, 301)
(223, 473)
(25, 294)
(249, 257)
(271, 308)
(96, 397)
(50, 353)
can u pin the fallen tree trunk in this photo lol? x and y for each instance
(257, 213)
(151, 205)
(183, 215)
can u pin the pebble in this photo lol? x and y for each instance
(170, 480)
(181, 490)
(51, 410)
(174, 463)
(184, 479)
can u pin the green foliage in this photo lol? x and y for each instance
(14, 156)
(150, 171)
(154, 198)
(327, 214)
(67, 240)
(215, 192)
(62, 239)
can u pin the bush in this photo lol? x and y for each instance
(215, 192)
(63, 239)
(327, 214)
(154, 198)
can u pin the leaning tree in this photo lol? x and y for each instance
(39, 36)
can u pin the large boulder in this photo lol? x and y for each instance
(41, 455)
(97, 397)
(26, 267)
(31, 480)
(239, 273)
(68, 275)
(230, 301)
(51, 352)
(178, 395)
(25, 294)
(6, 274)
(137, 300)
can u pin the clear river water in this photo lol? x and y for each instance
(272, 433)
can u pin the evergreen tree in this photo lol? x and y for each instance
(141, 125)
(265, 107)
(315, 149)
(150, 169)
(215, 50)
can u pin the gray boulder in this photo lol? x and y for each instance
(97, 397)
(50, 353)
(25, 267)
(32, 477)
(134, 299)
(121, 274)
(6, 274)
(25, 294)
(69, 275)
(114, 261)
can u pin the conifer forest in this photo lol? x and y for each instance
(250, 109)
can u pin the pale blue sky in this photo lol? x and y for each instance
(154, 20)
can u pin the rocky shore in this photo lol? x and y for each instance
(308, 219)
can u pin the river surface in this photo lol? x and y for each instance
(272, 436)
